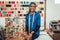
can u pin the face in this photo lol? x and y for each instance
(32, 7)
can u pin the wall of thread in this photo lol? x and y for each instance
(14, 13)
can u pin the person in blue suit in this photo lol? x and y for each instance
(33, 21)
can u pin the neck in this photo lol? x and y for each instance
(31, 12)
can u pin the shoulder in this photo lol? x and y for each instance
(27, 14)
(37, 13)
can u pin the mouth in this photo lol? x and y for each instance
(32, 9)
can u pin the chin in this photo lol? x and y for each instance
(32, 10)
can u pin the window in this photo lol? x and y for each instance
(57, 1)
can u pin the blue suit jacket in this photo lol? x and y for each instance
(36, 24)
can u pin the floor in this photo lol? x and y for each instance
(44, 36)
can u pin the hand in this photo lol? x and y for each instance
(32, 32)
(28, 36)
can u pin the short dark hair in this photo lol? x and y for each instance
(32, 3)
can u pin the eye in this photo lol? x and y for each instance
(32, 6)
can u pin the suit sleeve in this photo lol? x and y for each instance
(38, 23)
(26, 24)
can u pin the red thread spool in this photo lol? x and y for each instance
(59, 21)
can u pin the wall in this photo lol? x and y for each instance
(52, 11)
